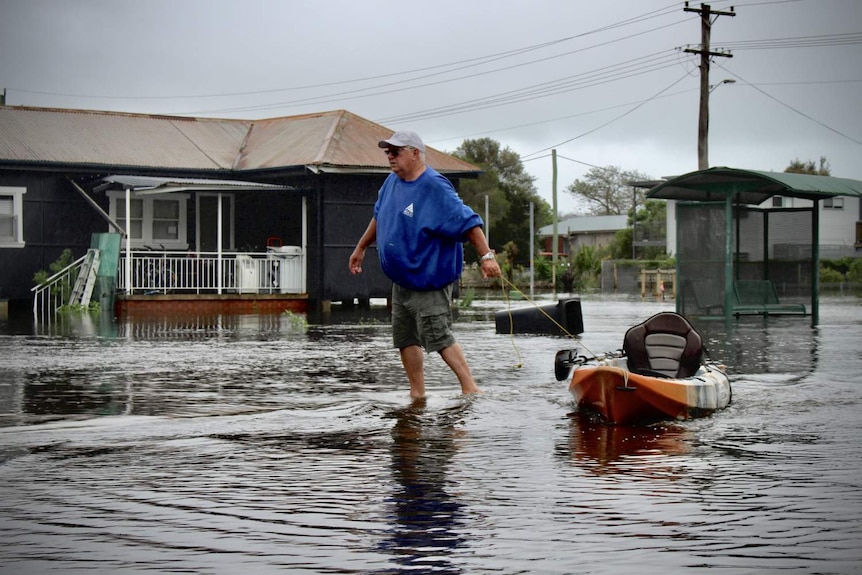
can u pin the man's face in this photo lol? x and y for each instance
(402, 160)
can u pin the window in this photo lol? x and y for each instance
(11, 217)
(834, 203)
(136, 217)
(166, 220)
(154, 221)
(777, 201)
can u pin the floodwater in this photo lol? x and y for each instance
(250, 445)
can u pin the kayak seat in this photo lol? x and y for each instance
(666, 344)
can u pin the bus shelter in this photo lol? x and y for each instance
(735, 257)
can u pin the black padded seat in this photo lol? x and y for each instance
(665, 344)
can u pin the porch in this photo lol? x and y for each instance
(279, 270)
(143, 281)
(212, 283)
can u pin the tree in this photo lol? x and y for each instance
(809, 167)
(651, 226)
(607, 191)
(510, 190)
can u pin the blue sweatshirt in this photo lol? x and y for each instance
(421, 226)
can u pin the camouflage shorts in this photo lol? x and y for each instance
(422, 318)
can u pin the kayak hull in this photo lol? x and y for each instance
(620, 396)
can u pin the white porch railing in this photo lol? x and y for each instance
(154, 272)
(277, 271)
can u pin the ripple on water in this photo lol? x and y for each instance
(239, 447)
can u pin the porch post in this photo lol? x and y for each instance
(304, 243)
(128, 233)
(219, 267)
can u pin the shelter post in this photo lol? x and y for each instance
(815, 265)
(728, 256)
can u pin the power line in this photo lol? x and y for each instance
(559, 118)
(598, 110)
(789, 107)
(656, 95)
(849, 39)
(455, 66)
(356, 93)
(592, 78)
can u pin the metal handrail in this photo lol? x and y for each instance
(45, 296)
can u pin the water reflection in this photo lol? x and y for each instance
(616, 449)
(426, 517)
(285, 450)
(757, 344)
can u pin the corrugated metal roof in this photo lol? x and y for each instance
(586, 224)
(101, 138)
(336, 139)
(752, 186)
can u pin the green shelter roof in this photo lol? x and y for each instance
(752, 186)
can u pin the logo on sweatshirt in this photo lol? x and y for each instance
(408, 211)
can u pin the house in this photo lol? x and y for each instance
(578, 231)
(216, 209)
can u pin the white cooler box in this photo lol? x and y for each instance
(289, 261)
(247, 274)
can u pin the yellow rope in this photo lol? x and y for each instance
(538, 307)
(511, 323)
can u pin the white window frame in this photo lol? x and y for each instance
(118, 197)
(836, 203)
(228, 234)
(16, 240)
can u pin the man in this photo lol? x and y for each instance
(420, 224)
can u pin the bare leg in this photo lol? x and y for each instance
(414, 365)
(454, 358)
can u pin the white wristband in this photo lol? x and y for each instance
(488, 256)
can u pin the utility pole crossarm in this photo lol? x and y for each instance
(708, 53)
(705, 8)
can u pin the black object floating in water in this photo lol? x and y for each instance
(543, 319)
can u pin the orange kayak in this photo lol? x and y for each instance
(607, 387)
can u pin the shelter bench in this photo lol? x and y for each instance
(751, 297)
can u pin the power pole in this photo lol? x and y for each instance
(706, 14)
(554, 197)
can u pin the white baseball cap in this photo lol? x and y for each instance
(401, 139)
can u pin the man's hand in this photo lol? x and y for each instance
(491, 269)
(356, 261)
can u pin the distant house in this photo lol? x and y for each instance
(214, 208)
(576, 232)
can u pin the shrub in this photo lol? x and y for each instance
(854, 274)
(830, 276)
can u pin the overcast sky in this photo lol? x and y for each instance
(602, 82)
